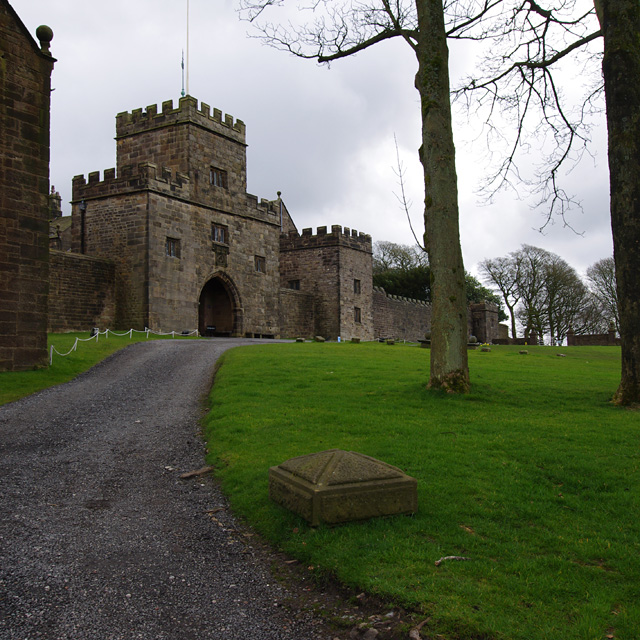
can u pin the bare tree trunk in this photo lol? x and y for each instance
(512, 314)
(449, 366)
(620, 22)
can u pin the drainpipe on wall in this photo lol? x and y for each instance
(83, 211)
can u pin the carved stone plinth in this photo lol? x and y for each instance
(338, 486)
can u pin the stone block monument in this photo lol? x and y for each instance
(338, 486)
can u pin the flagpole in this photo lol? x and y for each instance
(182, 65)
(187, 47)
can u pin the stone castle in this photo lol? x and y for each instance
(168, 239)
(192, 248)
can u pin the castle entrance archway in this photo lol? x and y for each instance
(219, 311)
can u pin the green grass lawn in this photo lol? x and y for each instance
(15, 385)
(534, 476)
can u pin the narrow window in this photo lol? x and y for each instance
(219, 234)
(294, 284)
(172, 247)
(260, 264)
(357, 315)
(218, 177)
(356, 286)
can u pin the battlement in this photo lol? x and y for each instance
(338, 236)
(139, 120)
(144, 175)
(390, 296)
(263, 205)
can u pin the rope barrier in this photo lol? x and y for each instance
(106, 332)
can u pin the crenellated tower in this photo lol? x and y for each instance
(207, 147)
(192, 248)
(336, 267)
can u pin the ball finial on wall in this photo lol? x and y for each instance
(45, 36)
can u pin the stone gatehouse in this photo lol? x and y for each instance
(190, 248)
(193, 249)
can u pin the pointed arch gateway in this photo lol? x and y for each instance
(219, 307)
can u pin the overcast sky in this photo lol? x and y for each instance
(323, 136)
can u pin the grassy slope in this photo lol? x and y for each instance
(533, 475)
(15, 385)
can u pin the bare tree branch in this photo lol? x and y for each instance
(402, 198)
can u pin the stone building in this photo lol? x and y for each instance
(25, 89)
(189, 248)
(336, 268)
(193, 249)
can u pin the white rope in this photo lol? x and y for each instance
(120, 335)
(173, 333)
(87, 339)
(75, 346)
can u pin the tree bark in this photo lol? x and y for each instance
(449, 366)
(512, 315)
(620, 23)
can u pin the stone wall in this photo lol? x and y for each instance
(483, 322)
(296, 314)
(115, 228)
(406, 319)
(399, 318)
(593, 340)
(25, 88)
(81, 292)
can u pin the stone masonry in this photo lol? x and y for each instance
(169, 239)
(192, 249)
(400, 318)
(336, 267)
(81, 292)
(25, 88)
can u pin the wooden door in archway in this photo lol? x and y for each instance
(215, 316)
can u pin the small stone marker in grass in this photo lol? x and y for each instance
(338, 486)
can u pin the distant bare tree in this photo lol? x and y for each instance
(592, 319)
(531, 288)
(542, 291)
(567, 300)
(503, 273)
(601, 278)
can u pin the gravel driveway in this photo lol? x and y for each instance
(99, 536)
